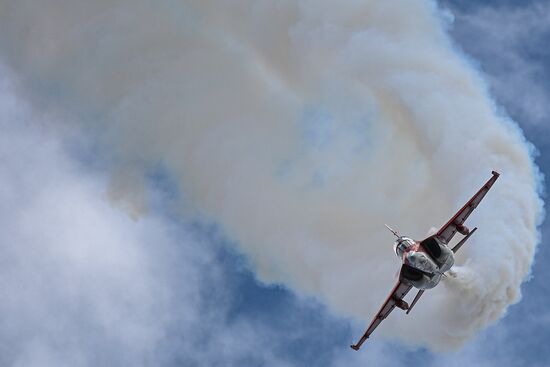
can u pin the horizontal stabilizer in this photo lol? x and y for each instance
(462, 241)
(416, 298)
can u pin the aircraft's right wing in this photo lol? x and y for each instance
(457, 221)
(394, 299)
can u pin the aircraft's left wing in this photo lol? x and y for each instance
(394, 299)
(457, 221)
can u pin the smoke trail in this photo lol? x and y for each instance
(301, 127)
(83, 285)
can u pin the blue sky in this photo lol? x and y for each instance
(480, 28)
(189, 295)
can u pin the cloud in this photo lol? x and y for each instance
(79, 280)
(299, 127)
(82, 284)
(506, 42)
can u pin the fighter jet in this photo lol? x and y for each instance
(425, 262)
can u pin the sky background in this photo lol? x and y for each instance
(505, 39)
(198, 302)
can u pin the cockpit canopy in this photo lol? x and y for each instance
(401, 244)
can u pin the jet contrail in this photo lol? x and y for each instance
(301, 127)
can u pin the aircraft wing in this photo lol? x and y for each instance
(395, 298)
(457, 221)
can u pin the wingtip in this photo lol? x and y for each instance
(354, 347)
(495, 173)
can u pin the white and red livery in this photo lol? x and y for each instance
(425, 262)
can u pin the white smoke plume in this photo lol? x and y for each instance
(81, 284)
(301, 127)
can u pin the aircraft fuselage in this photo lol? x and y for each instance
(427, 261)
